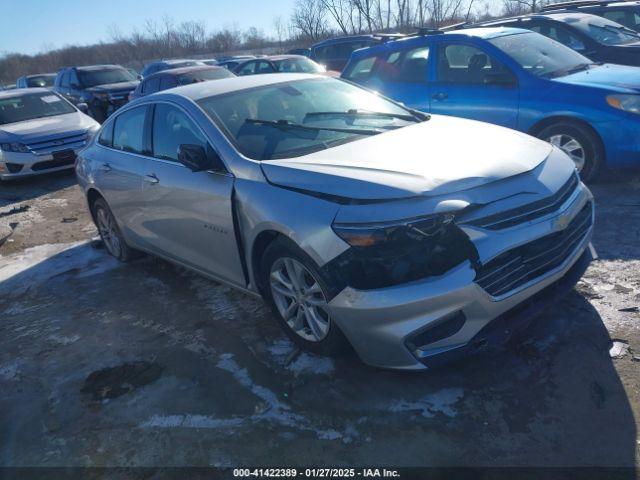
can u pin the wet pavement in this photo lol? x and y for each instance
(147, 364)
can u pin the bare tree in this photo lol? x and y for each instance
(309, 19)
(519, 7)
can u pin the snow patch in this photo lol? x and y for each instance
(304, 364)
(35, 265)
(441, 401)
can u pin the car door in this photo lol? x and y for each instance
(188, 215)
(471, 83)
(75, 88)
(119, 167)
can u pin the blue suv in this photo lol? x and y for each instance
(518, 79)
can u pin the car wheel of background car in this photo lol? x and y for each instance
(295, 290)
(110, 233)
(579, 143)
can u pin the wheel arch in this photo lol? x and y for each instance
(258, 247)
(92, 195)
(548, 121)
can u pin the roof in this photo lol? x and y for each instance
(182, 70)
(356, 38)
(90, 68)
(40, 75)
(288, 56)
(196, 91)
(16, 92)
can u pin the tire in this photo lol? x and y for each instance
(110, 232)
(325, 338)
(577, 141)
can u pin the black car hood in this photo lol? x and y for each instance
(115, 87)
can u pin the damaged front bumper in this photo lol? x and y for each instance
(428, 322)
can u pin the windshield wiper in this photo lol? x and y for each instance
(287, 125)
(355, 112)
(568, 71)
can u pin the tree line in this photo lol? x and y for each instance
(310, 21)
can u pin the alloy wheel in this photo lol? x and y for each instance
(571, 147)
(299, 299)
(109, 232)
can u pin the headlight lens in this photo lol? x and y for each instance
(628, 103)
(373, 234)
(15, 147)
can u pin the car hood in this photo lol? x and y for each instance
(608, 75)
(115, 87)
(42, 128)
(442, 155)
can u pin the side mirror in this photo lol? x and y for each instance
(504, 79)
(139, 77)
(83, 107)
(194, 157)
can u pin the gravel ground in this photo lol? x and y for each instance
(146, 364)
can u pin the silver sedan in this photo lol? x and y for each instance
(412, 239)
(40, 132)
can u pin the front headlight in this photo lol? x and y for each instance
(391, 253)
(14, 147)
(628, 103)
(372, 234)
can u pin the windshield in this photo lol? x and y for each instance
(91, 78)
(540, 55)
(605, 32)
(32, 105)
(41, 81)
(204, 75)
(298, 65)
(269, 122)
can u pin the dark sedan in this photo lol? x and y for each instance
(278, 64)
(177, 77)
(595, 37)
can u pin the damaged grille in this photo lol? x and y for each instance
(530, 211)
(520, 265)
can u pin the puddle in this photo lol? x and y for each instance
(116, 381)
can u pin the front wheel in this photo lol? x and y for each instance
(295, 290)
(579, 142)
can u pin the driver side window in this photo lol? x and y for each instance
(172, 128)
(460, 63)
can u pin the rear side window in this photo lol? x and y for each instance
(407, 67)
(362, 69)
(248, 69)
(168, 82)
(128, 131)
(106, 135)
(150, 86)
(172, 128)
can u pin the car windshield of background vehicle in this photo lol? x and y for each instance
(91, 78)
(540, 55)
(204, 75)
(606, 32)
(41, 81)
(298, 65)
(32, 105)
(268, 122)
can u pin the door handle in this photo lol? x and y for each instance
(151, 178)
(105, 167)
(440, 96)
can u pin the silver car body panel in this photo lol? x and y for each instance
(188, 217)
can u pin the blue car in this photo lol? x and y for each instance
(518, 79)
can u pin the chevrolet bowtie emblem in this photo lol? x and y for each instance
(562, 222)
